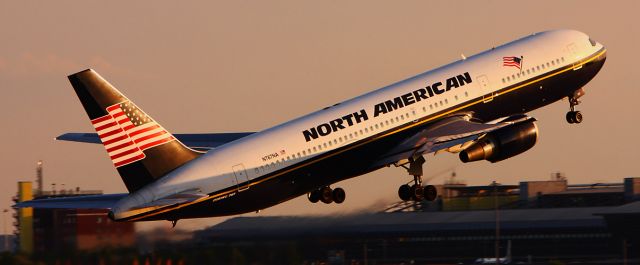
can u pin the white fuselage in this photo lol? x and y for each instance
(287, 145)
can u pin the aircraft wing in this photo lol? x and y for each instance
(452, 134)
(106, 201)
(198, 141)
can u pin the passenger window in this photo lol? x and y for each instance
(325, 145)
(466, 94)
(502, 80)
(446, 101)
(360, 132)
(376, 126)
(335, 141)
(538, 67)
(542, 66)
(562, 59)
(513, 77)
(548, 64)
(456, 96)
(309, 150)
(508, 78)
(518, 75)
(528, 71)
(430, 107)
(553, 62)
(386, 122)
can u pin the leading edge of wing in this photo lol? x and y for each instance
(106, 201)
(201, 141)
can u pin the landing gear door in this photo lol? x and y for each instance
(485, 87)
(241, 177)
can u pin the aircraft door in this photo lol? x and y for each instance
(241, 177)
(573, 53)
(486, 88)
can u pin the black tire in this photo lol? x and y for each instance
(404, 192)
(570, 117)
(339, 195)
(430, 193)
(326, 195)
(313, 196)
(577, 117)
(417, 192)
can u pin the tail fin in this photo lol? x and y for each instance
(141, 150)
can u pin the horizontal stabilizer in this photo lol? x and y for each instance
(198, 141)
(106, 201)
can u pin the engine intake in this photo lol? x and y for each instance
(503, 143)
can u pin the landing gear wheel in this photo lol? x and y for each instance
(417, 192)
(574, 117)
(404, 192)
(326, 195)
(569, 117)
(430, 193)
(313, 196)
(339, 195)
(577, 117)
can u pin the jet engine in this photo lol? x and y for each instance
(502, 143)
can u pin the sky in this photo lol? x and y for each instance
(213, 66)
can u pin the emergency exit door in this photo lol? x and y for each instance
(485, 87)
(241, 177)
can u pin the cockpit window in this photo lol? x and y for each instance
(593, 42)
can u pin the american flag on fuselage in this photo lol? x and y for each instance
(126, 131)
(512, 61)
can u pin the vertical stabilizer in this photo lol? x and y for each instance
(140, 148)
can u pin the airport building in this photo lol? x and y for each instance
(57, 230)
(536, 222)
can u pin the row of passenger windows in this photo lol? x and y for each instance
(315, 149)
(533, 70)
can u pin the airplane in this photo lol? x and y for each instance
(475, 106)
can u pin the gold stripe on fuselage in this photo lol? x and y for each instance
(374, 138)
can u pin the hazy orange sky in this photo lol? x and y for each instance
(248, 65)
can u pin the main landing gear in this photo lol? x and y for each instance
(327, 195)
(417, 191)
(574, 116)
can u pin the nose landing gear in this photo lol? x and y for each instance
(574, 116)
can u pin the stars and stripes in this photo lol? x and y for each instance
(126, 131)
(512, 61)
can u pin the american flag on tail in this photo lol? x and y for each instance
(512, 61)
(126, 131)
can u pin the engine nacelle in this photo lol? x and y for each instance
(503, 143)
